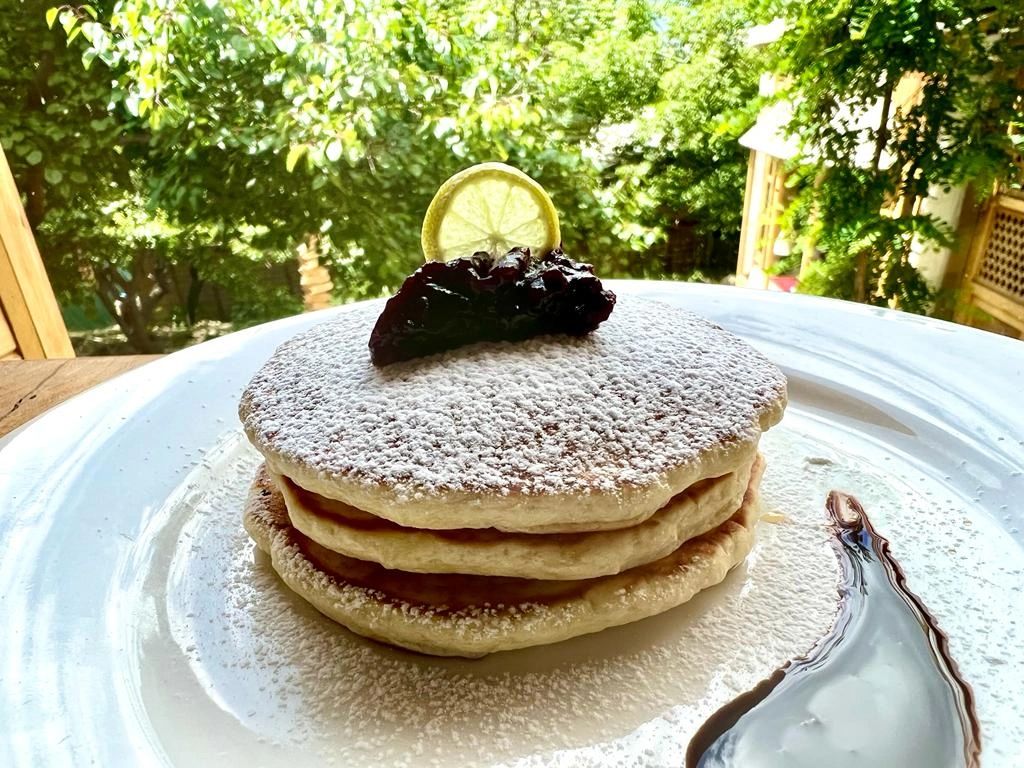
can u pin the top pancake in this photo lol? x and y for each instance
(596, 431)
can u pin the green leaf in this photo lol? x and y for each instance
(334, 150)
(53, 176)
(286, 44)
(51, 17)
(35, 157)
(294, 155)
(240, 44)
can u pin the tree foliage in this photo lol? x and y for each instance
(871, 153)
(227, 133)
(174, 154)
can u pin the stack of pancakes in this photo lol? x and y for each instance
(505, 495)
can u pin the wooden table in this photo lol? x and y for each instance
(29, 387)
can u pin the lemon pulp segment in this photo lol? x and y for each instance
(489, 207)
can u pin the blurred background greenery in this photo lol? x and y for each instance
(175, 154)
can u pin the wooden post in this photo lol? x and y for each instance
(744, 258)
(314, 279)
(773, 213)
(33, 318)
(8, 346)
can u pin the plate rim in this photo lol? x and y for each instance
(808, 309)
(1012, 347)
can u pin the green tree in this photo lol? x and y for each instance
(242, 128)
(684, 162)
(66, 150)
(85, 166)
(868, 159)
(367, 106)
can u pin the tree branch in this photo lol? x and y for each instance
(882, 137)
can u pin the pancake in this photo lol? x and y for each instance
(554, 433)
(459, 615)
(349, 531)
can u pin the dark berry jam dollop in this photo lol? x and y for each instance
(444, 305)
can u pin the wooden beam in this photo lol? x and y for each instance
(1000, 307)
(25, 292)
(743, 257)
(7, 343)
(756, 207)
(972, 216)
(778, 206)
(1011, 203)
(315, 276)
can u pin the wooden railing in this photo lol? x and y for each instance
(994, 282)
(763, 203)
(31, 325)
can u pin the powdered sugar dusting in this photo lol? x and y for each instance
(651, 390)
(311, 691)
(266, 680)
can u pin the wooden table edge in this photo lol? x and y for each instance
(30, 387)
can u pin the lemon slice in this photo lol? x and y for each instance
(489, 207)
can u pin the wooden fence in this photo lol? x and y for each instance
(993, 286)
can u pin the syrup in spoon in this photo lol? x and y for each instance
(878, 691)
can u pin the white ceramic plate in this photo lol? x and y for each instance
(137, 626)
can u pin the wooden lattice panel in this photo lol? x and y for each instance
(1002, 265)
